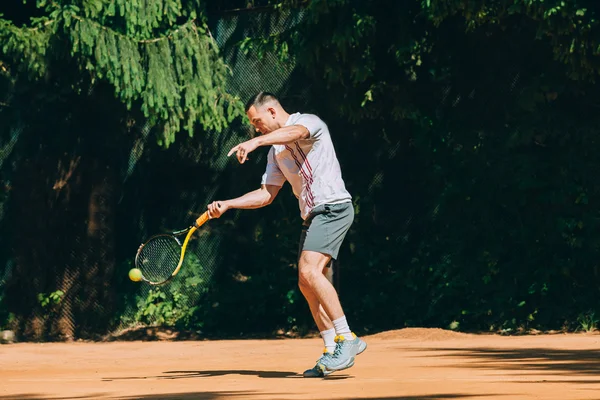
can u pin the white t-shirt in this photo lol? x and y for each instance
(309, 165)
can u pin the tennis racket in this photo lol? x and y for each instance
(160, 258)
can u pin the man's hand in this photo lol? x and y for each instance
(243, 149)
(217, 208)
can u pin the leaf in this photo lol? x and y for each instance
(368, 97)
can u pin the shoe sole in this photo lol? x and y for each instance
(342, 367)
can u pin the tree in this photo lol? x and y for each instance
(474, 123)
(81, 84)
(159, 58)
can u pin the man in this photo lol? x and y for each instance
(303, 154)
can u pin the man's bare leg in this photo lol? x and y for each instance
(321, 294)
(318, 290)
(319, 315)
(311, 275)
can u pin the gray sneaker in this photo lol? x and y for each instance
(344, 353)
(319, 370)
(362, 345)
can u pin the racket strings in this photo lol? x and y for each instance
(159, 258)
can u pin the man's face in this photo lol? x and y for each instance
(262, 119)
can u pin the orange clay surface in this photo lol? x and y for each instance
(405, 364)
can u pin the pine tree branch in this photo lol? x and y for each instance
(177, 80)
(143, 41)
(299, 3)
(49, 22)
(112, 31)
(170, 35)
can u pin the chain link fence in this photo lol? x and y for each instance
(66, 277)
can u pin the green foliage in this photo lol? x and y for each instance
(171, 72)
(173, 304)
(482, 113)
(141, 20)
(381, 49)
(6, 318)
(25, 48)
(490, 141)
(588, 322)
(156, 309)
(571, 25)
(50, 299)
(467, 134)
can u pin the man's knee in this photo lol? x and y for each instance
(307, 277)
(311, 267)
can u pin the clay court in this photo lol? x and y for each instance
(403, 364)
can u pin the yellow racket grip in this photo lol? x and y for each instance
(201, 220)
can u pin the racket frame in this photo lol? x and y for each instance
(190, 231)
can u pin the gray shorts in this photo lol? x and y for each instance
(325, 228)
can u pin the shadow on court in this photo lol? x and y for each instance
(226, 395)
(208, 374)
(546, 361)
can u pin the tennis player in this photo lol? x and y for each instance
(303, 154)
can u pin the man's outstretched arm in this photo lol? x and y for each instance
(285, 135)
(255, 199)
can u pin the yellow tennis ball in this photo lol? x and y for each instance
(135, 274)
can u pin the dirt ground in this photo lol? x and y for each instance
(403, 364)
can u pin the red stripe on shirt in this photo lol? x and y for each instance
(306, 176)
(309, 168)
(304, 157)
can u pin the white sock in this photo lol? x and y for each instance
(342, 329)
(329, 339)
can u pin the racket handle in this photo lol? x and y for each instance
(201, 220)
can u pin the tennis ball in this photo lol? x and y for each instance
(135, 274)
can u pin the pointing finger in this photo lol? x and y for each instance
(233, 150)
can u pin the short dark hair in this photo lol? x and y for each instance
(260, 99)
